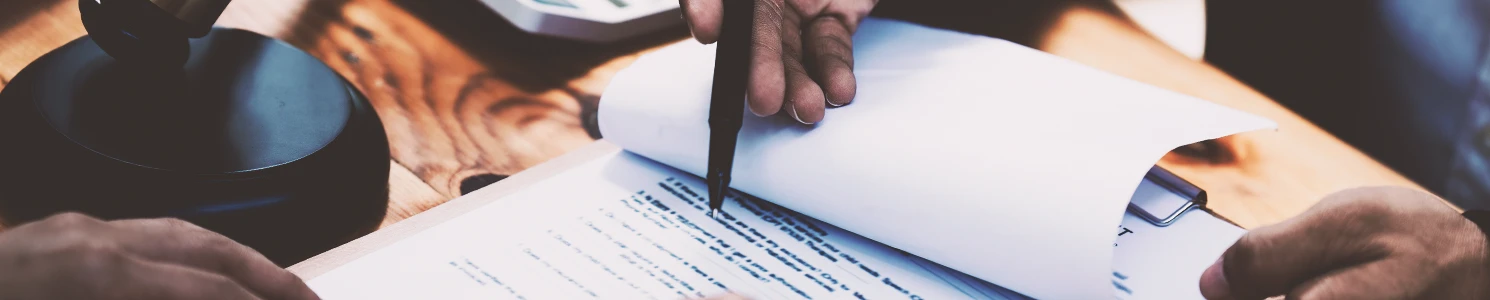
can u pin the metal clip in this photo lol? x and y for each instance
(1163, 197)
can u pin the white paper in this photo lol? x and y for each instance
(1151, 262)
(594, 232)
(515, 248)
(1004, 162)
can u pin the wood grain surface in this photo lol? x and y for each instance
(467, 99)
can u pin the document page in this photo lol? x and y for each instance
(1152, 262)
(950, 132)
(1003, 162)
(625, 227)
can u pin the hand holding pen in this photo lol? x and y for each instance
(802, 55)
(792, 55)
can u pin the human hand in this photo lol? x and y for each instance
(72, 256)
(802, 57)
(1367, 243)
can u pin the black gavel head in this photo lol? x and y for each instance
(149, 32)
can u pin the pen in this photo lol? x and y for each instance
(727, 103)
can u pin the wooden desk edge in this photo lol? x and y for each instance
(324, 262)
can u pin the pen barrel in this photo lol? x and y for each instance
(727, 103)
(718, 182)
(157, 19)
(149, 33)
(732, 65)
(195, 17)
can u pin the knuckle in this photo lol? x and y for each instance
(179, 224)
(1386, 205)
(235, 256)
(220, 283)
(182, 228)
(67, 229)
(204, 239)
(1365, 202)
(72, 220)
(211, 286)
(238, 255)
(1370, 210)
(92, 255)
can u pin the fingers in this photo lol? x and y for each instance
(155, 280)
(73, 256)
(180, 242)
(1213, 282)
(830, 58)
(1377, 280)
(796, 68)
(804, 98)
(704, 18)
(767, 75)
(1272, 260)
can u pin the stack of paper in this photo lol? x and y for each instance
(1002, 163)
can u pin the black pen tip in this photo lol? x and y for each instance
(716, 194)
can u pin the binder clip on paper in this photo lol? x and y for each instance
(1162, 198)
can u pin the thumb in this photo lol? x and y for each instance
(1272, 260)
(704, 17)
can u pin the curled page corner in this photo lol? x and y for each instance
(1000, 161)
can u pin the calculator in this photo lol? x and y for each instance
(599, 21)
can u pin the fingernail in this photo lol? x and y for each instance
(1213, 284)
(835, 104)
(759, 114)
(750, 105)
(791, 109)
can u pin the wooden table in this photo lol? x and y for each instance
(467, 99)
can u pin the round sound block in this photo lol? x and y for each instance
(252, 138)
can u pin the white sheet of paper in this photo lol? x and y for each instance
(594, 232)
(625, 227)
(1151, 262)
(951, 136)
